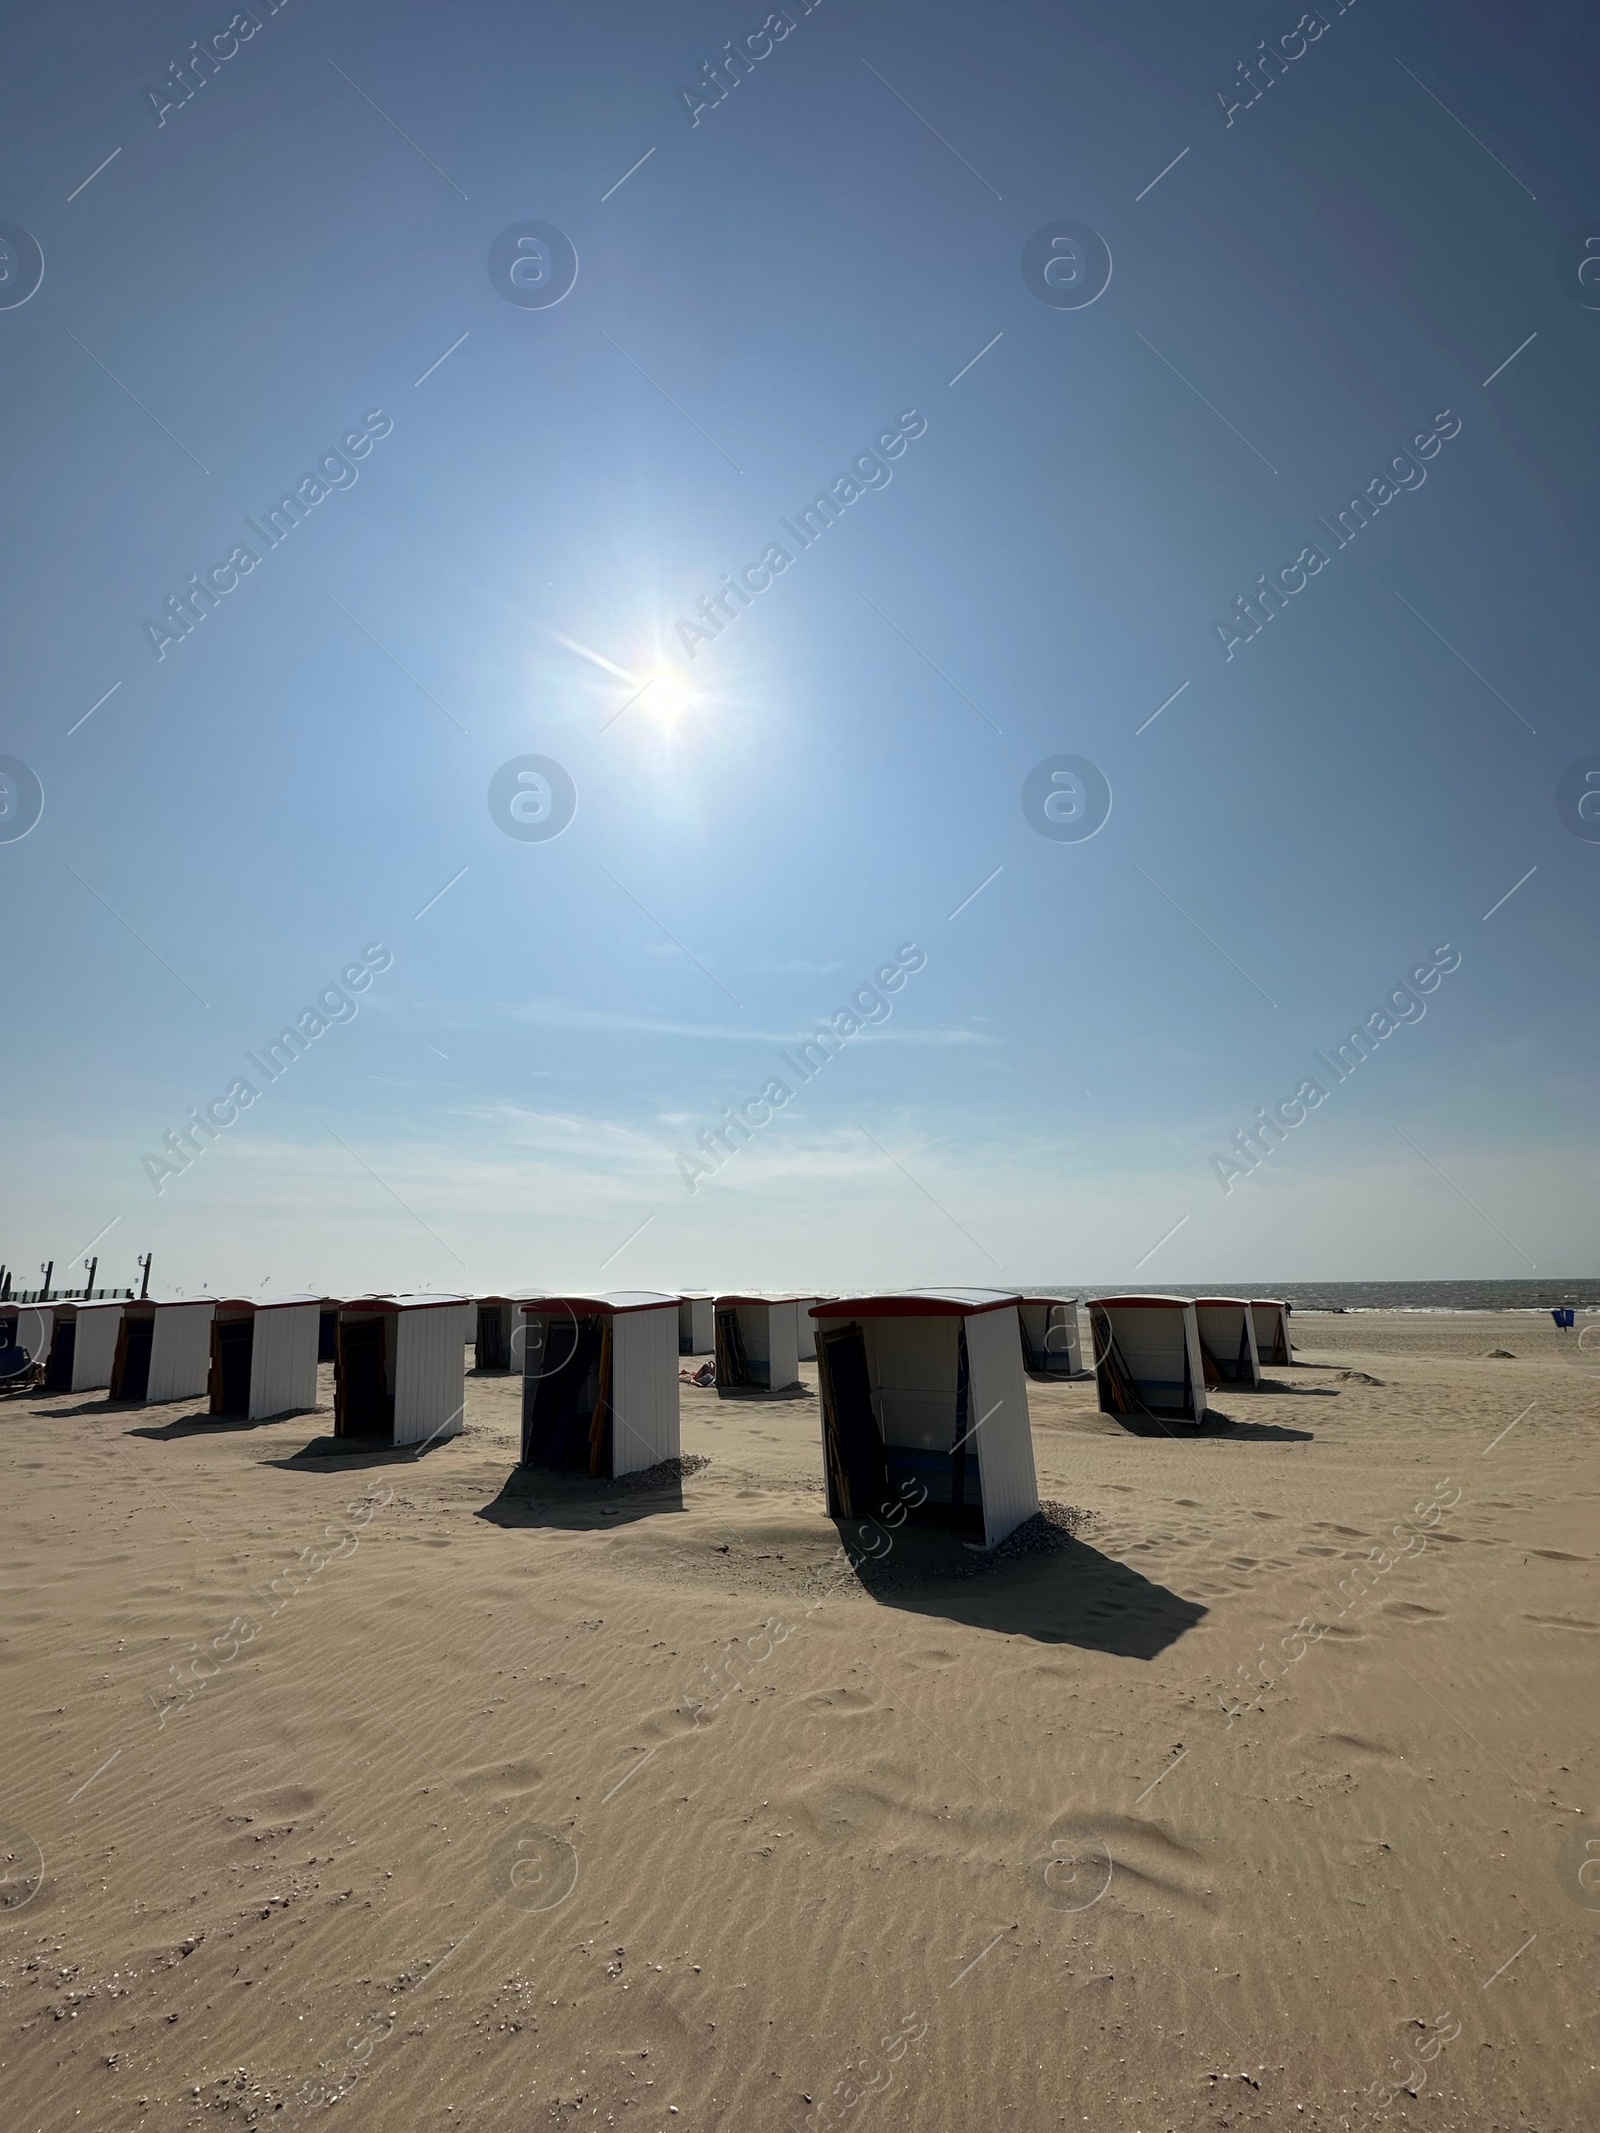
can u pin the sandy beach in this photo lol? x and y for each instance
(503, 1802)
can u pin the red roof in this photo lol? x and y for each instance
(921, 1303)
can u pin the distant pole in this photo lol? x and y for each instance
(46, 1271)
(144, 1285)
(94, 1268)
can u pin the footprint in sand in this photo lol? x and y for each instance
(282, 1802)
(1137, 1859)
(501, 1781)
(1358, 1744)
(843, 1703)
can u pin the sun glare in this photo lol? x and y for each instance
(666, 696)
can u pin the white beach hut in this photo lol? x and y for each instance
(1050, 1343)
(264, 1355)
(1147, 1357)
(600, 1382)
(10, 1313)
(924, 1401)
(758, 1342)
(1227, 1340)
(697, 1332)
(498, 1329)
(18, 1356)
(806, 1326)
(92, 1346)
(163, 1348)
(35, 1331)
(31, 1328)
(1270, 1318)
(54, 1327)
(400, 1368)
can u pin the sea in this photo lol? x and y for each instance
(1580, 1291)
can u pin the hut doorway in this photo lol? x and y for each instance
(63, 1347)
(364, 1406)
(130, 1372)
(567, 1416)
(232, 1351)
(857, 1480)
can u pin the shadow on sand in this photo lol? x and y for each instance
(338, 1455)
(1071, 1595)
(574, 1503)
(760, 1396)
(202, 1423)
(1225, 1428)
(98, 1404)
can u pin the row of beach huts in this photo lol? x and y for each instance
(923, 1393)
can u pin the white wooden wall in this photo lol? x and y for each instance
(1221, 1324)
(912, 1365)
(806, 1330)
(34, 1330)
(1064, 1336)
(283, 1359)
(180, 1351)
(95, 1348)
(998, 1391)
(698, 1319)
(429, 1373)
(1267, 1322)
(1154, 1344)
(779, 1336)
(644, 1388)
(1053, 1333)
(1197, 1368)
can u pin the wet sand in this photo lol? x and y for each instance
(523, 1805)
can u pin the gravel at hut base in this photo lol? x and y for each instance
(663, 1473)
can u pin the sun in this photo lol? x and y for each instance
(666, 695)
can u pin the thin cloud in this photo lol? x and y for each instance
(555, 1014)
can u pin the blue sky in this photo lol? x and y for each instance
(1295, 299)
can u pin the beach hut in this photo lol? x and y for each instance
(498, 1328)
(697, 1332)
(28, 1330)
(17, 1362)
(163, 1348)
(1270, 1318)
(57, 1335)
(1147, 1357)
(264, 1355)
(924, 1401)
(90, 1341)
(1050, 1344)
(1227, 1340)
(600, 1382)
(400, 1367)
(758, 1342)
(328, 1332)
(31, 1327)
(806, 1326)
